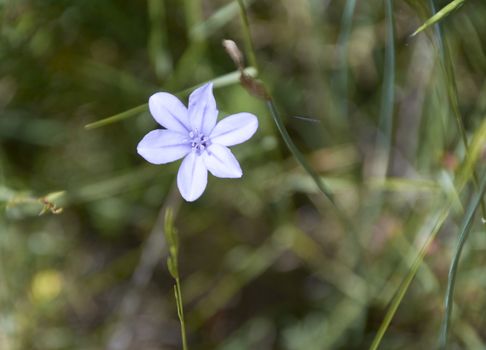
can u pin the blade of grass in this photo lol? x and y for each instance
(388, 94)
(343, 47)
(441, 14)
(249, 48)
(296, 153)
(465, 230)
(217, 20)
(436, 223)
(465, 174)
(474, 152)
(193, 16)
(157, 42)
(451, 87)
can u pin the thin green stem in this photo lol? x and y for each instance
(388, 95)
(385, 129)
(465, 230)
(249, 48)
(180, 311)
(118, 117)
(343, 47)
(173, 266)
(397, 299)
(296, 153)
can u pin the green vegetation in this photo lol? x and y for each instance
(358, 223)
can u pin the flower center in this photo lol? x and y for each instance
(199, 141)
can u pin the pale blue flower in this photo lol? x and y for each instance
(193, 134)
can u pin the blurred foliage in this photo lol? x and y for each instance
(264, 262)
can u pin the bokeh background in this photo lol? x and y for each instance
(265, 261)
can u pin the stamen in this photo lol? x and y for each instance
(199, 142)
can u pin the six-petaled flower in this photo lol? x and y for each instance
(193, 134)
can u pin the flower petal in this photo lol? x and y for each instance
(221, 162)
(202, 109)
(192, 177)
(169, 112)
(163, 146)
(235, 129)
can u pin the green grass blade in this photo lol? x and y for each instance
(247, 35)
(451, 87)
(465, 230)
(465, 173)
(343, 47)
(474, 153)
(217, 20)
(436, 222)
(296, 153)
(157, 41)
(444, 12)
(388, 93)
(193, 15)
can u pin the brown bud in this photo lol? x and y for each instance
(235, 53)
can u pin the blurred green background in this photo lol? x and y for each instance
(265, 261)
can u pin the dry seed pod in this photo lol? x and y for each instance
(235, 53)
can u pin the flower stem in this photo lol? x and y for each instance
(249, 48)
(173, 266)
(180, 312)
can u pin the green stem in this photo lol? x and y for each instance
(343, 47)
(173, 266)
(249, 48)
(118, 117)
(465, 230)
(180, 311)
(388, 96)
(397, 299)
(296, 153)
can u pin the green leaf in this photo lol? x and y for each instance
(172, 267)
(465, 230)
(445, 11)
